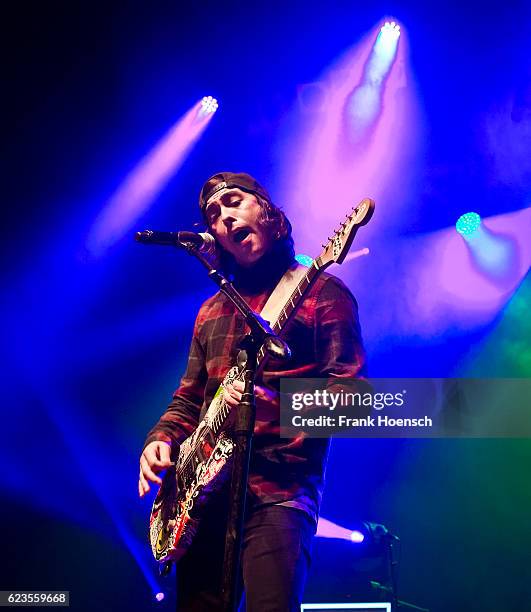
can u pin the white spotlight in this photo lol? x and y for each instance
(209, 105)
(357, 537)
(391, 30)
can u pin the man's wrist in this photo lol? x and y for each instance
(158, 438)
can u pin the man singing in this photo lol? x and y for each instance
(286, 476)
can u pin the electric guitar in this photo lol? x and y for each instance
(202, 465)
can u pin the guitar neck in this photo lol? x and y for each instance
(293, 302)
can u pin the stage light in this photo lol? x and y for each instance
(494, 254)
(385, 47)
(357, 537)
(159, 596)
(356, 254)
(468, 223)
(209, 105)
(365, 103)
(141, 187)
(304, 260)
(390, 29)
(367, 532)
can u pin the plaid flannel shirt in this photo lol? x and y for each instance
(325, 341)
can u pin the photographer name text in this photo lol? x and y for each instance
(343, 421)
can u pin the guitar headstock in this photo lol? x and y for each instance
(337, 247)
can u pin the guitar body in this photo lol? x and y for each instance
(176, 511)
(203, 466)
(204, 461)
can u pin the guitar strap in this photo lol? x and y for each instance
(282, 292)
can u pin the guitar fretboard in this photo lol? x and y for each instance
(293, 302)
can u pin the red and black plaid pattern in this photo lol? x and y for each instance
(325, 341)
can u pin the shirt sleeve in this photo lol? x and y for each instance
(338, 340)
(182, 415)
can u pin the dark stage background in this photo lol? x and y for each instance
(97, 328)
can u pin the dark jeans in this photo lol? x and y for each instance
(275, 560)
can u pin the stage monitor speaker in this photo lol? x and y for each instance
(339, 607)
(343, 571)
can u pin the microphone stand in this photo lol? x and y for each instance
(260, 335)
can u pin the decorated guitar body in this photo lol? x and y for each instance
(204, 460)
(201, 469)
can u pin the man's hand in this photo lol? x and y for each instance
(266, 408)
(154, 459)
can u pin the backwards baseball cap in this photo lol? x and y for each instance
(230, 180)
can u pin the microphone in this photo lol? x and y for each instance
(203, 242)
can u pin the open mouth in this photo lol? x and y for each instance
(240, 235)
